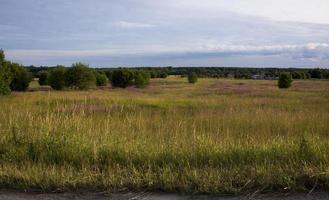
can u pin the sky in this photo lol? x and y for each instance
(113, 33)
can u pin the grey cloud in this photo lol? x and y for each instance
(148, 32)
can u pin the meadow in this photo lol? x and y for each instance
(218, 136)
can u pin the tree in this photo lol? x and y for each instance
(43, 77)
(21, 78)
(141, 79)
(154, 74)
(122, 78)
(5, 75)
(2, 57)
(285, 80)
(192, 78)
(109, 75)
(316, 73)
(56, 77)
(80, 76)
(101, 79)
(163, 75)
(4, 87)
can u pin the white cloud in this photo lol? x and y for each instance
(315, 11)
(307, 51)
(126, 24)
(171, 28)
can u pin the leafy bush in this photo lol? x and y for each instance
(4, 83)
(141, 79)
(154, 74)
(80, 76)
(316, 73)
(109, 75)
(4, 86)
(192, 78)
(101, 79)
(56, 78)
(163, 75)
(21, 78)
(2, 57)
(43, 77)
(285, 80)
(122, 78)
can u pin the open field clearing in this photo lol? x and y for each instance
(218, 136)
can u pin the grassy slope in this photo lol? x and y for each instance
(218, 136)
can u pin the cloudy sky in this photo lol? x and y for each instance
(109, 33)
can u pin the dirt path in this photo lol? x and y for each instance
(10, 195)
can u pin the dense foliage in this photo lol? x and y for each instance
(122, 78)
(285, 80)
(56, 77)
(192, 78)
(163, 75)
(80, 76)
(219, 72)
(21, 78)
(141, 79)
(13, 76)
(4, 85)
(43, 77)
(101, 79)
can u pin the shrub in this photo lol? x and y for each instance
(2, 57)
(4, 86)
(285, 80)
(4, 82)
(122, 78)
(109, 75)
(56, 78)
(141, 79)
(316, 73)
(101, 79)
(154, 74)
(163, 75)
(43, 77)
(21, 78)
(192, 78)
(80, 76)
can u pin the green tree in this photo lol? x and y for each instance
(2, 57)
(109, 74)
(141, 79)
(285, 80)
(21, 78)
(122, 78)
(56, 77)
(5, 75)
(154, 74)
(101, 79)
(4, 87)
(80, 76)
(43, 77)
(192, 78)
(163, 75)
(316, 73)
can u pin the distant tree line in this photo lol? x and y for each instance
(218, 72)
(79, 76)
(15, 77)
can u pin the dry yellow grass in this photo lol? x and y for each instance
(217, 136)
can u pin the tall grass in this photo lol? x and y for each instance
(218, 136)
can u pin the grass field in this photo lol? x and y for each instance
(218, 136)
